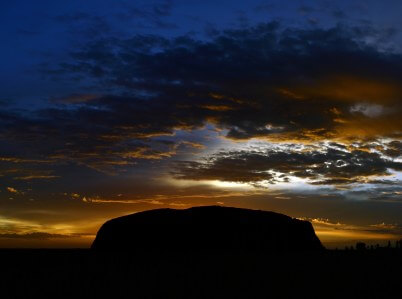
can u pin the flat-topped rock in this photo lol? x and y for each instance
(210, 228)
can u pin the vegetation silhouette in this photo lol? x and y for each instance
(125, 274)
(208, 228)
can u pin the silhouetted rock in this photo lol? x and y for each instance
(210, 229)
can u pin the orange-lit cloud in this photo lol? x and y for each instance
(12, 190)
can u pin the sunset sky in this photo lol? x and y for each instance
(113, 107)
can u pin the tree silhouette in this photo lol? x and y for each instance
(360, 246)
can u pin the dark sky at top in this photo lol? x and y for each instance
(112, 107)
(35, 32)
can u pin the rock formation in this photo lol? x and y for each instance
(206, 229)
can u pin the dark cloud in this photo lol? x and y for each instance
(267, 81)
(394, 149)
(35, 235)
(385, 182)
(379, 191)
(264, 81)
(324, 166)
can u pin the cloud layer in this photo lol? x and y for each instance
(275, 83)
(331, 164)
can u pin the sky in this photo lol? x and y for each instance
(112, 107)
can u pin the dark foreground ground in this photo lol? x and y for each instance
(86, 274)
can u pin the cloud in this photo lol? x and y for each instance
(26, 169)
(386, 227)
(270, 82)
(323, 165)
(335, 233)
(76, 98)
(372, 110)
(12, 190)
(33, 235)
(36, 177)
(393, 149)
(252, 80)
(376, 228)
